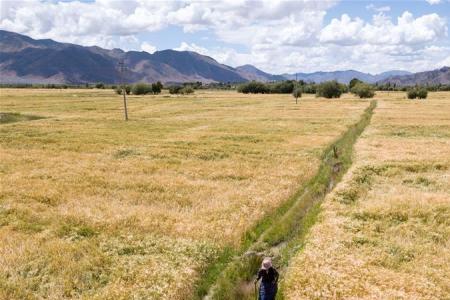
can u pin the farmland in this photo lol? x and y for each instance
(384, 232)
(95, 207)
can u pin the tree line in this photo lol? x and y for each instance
(328, 89)
(334, 89)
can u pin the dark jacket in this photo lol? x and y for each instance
(268, 276)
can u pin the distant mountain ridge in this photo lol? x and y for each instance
(434, 77)
(252, 73)
(26, 60)
(344, 76)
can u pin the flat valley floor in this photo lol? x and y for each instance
(93, 207)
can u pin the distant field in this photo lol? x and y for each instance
(384, 232)
(95, 207)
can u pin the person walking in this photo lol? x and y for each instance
(269, 280)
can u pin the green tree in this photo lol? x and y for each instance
(329, 89)
(175, 89)
(157, 87)
(283, 87)
(253, 87)
(422, 93)
(363, 90)
(411, 94)
(141, 89)
(187, 90)
(297, 93)
(353, 82)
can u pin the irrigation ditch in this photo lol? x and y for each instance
(281, 234)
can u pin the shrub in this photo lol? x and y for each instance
(175, 89)
(363, 90)
(187, 90)
(284, 87)
(253, 87)
(329, 89)
(141, 89)
(100, 85)
(422, 93)
(195, 85)
(297, 93)
(309, 88)
(412, 94)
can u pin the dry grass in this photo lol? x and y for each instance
(95, 207)
(384, 232)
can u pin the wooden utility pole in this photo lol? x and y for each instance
(124, 90)
(295, 87)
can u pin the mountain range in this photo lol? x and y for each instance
(26, 60)
(439, 76)
(344, 76)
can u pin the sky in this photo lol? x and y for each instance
(275, 36)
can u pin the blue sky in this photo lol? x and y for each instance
(276, 36)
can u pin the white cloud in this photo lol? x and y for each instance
(192, 47)
(278, 36)
(344, 31)
(445, 62)
(432, 2)
(227, 56)
(378, 9)
(148, 48)
(382, 30)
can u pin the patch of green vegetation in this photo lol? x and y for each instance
(22, 220)
(359, 241)
(418, 168)
(242, 138)
(6, 118)
(230, 177)
(348, 196)
(213, 271)
(86, 231)
(131, 250)
(75, 230)
(122, 153)
(366, 216)
(396, 256)
(423, 181)
(213, 155)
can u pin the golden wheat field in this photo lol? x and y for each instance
(93, 207)
(384, 232)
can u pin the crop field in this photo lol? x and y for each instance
(384, 232)
(93, 207)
